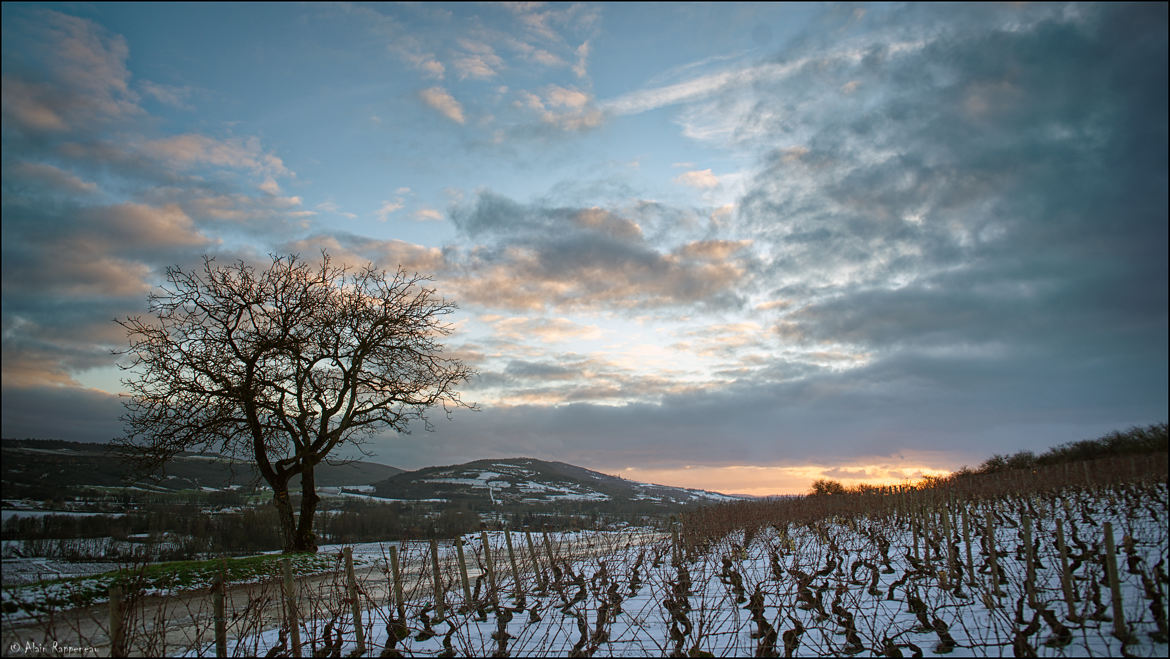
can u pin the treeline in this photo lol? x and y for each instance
(183, 531)
(1135, 455)
(1135, 441)
(1100, 474)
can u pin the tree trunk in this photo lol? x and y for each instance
(305, 539)
(284, 511)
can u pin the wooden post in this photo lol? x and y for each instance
(290, 599)
(1065, 577)
(217, 595)
(437, 579)
(355, 603)
(1029, 561)
(991, 559)
(676, 549)
(1120, 630)
(535, 561)
(463, 571)
(491, 568)
(949, 547)
(116, 631)
(967, 543)
(517, 587)
(551, 560)
(399, 600)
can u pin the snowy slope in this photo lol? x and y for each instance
(530, 481)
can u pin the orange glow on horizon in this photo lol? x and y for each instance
(764, 481)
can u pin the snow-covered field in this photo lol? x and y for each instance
(872, 584)
(878, 583)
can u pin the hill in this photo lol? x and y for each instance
(40, 468)
(527, 482)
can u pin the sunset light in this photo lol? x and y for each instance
(736, 247)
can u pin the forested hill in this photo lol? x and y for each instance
(35, 468)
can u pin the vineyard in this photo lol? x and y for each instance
(1059, 561)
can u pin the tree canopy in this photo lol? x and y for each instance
(281, 366)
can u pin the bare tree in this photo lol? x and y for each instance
(282, 367)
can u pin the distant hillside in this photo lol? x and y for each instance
(527, 482)
(31, 467)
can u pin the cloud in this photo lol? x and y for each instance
(948, 223)
(84, 82)
(68, 269)
(402, 42)
(332, 207)
(30, 106)
(565, 97)
(438, 98)
(702, 179)
(479, 60)
(542, 21)
(270, 186)
(724, 340)
(567, 108)
(184, 151)
(965, 251)
(356, 251)
(52, 176)
(259, 215)
(698, 88)
(562, 257)
(172, 95)
(97, 202)
(428, 215)
(387, 209)
(529, 52)
(38, 412)
(547, 330)
(582, 53)
(426, 63)
(506, 380)
(101, 251)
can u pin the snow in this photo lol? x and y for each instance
(718, 619)
(835, 556)
(479, 481)
(580, 496)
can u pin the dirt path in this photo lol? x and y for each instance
(178, 623)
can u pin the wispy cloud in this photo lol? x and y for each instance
(173, 95)
(440, 100)
(547, 330)
(478, 60)
(699, 178)
(567, 108)
(580, 67)
(183, 151)
(387, 209)
(52, 175)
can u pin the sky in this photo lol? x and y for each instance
(728, 246)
